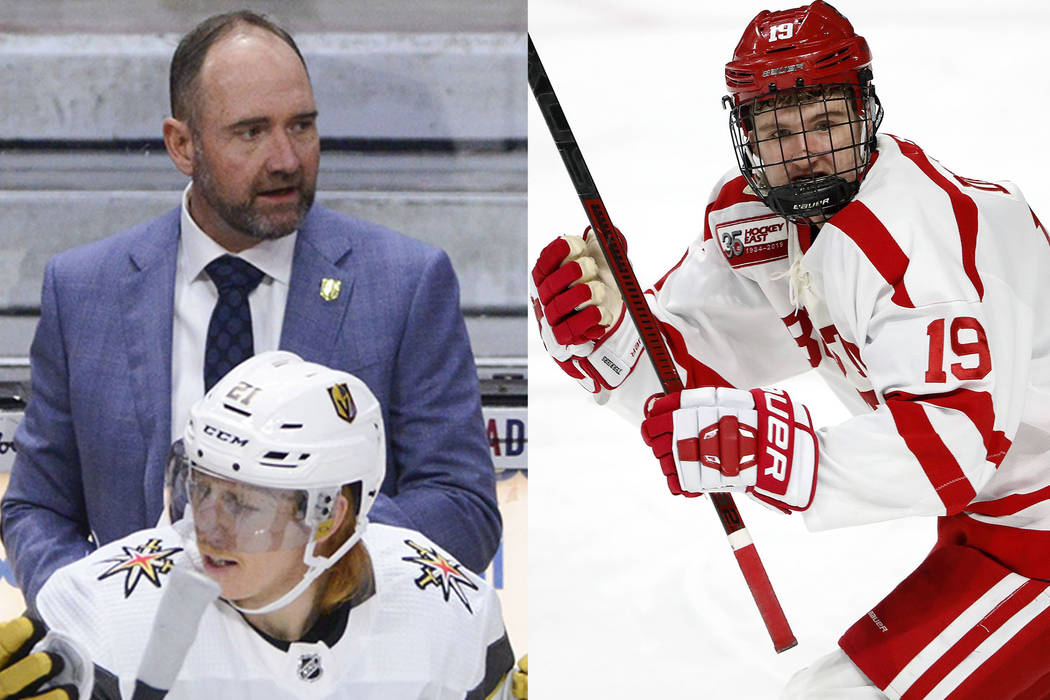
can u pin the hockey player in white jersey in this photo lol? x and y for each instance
(918, 294)
(269, 491)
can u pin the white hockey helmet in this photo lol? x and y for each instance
(286, 426)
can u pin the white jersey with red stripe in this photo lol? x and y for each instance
(921, 303)
(429, 629)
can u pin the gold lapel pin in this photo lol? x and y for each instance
(330, 288)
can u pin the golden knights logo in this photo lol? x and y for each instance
(147, 561)
(343, 402)
(330, 288)
(441, 572)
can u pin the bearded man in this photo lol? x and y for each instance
(137, 327)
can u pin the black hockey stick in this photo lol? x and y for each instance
(638, 309)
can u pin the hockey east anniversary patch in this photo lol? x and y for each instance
(752, 241)
(149, 560)
(441, 572)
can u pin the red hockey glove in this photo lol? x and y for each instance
(723, 439)
(575, 289)
(581, 315)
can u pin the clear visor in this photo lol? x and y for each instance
(230, 516)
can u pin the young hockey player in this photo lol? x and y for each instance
(918, 294)
(269, 492)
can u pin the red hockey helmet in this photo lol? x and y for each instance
(795, 59)
(804, 46)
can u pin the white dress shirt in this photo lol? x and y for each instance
(195, 297)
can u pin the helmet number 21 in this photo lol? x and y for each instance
(781, 31)
(968, 339)
(242, 393)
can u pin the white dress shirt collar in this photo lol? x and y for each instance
(273, 257)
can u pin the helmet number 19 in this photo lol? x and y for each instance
(781, 31)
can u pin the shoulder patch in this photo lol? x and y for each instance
(752, 241)
(149, 560)
(442, 572)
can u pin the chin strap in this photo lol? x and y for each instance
(821, 196)
(317, 566)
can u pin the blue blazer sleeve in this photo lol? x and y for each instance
(440, 473)
(43, 512)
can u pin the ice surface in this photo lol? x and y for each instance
(634, 593)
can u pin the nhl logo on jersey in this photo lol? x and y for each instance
(441, 572)
(309, 667)
(149, 561)
(752, 241)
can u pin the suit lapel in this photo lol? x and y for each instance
(148, 293)
(319, 292)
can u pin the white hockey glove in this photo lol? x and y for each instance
(724, 439)
(581, 315)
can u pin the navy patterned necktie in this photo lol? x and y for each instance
(230, 339)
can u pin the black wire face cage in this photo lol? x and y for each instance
(805, 151)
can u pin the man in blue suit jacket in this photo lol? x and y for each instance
(359, 297)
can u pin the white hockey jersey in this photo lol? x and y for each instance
(924, 303)
(431, 629)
